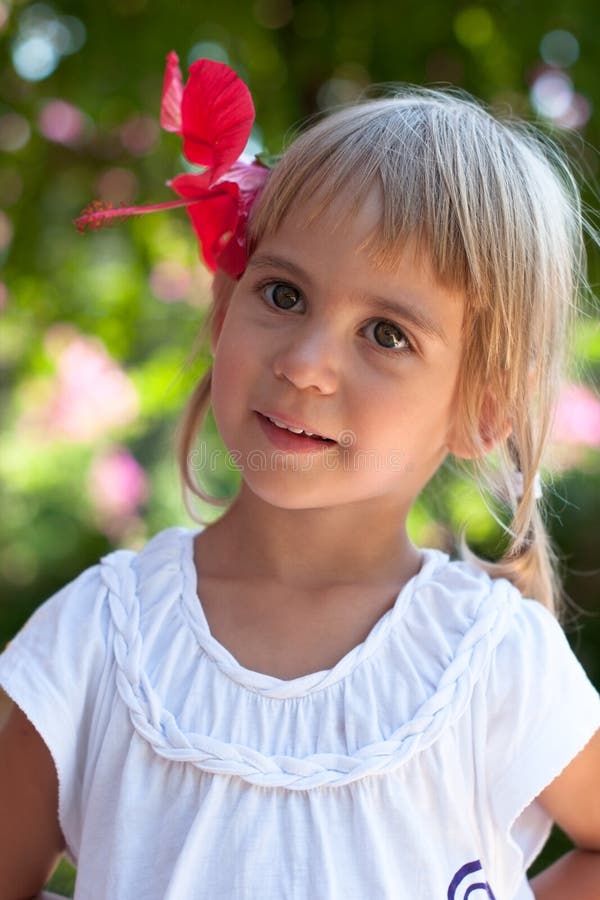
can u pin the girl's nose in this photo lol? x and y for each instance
(309, 361)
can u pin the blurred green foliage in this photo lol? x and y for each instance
(140, 291)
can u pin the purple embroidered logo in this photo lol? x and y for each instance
(467, 883)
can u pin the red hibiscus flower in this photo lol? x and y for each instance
(213, 113)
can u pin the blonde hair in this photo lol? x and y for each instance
(494, 205)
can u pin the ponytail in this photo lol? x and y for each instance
(529, 560)
(198, 404)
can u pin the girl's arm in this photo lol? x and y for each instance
(573, 801)
(31, 840)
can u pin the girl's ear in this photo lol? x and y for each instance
(222, 288)
(493, 428)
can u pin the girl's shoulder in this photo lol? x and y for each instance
(481, 631)
(458, 608)
(460, 596)
(464, 598)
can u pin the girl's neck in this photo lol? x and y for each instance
(310, 549)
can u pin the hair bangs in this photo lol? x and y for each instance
(392, 152)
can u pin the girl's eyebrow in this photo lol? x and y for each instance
(412, 313)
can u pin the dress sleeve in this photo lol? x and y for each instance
(52, 670)
(542, 711)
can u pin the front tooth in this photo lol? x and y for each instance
(288, 427)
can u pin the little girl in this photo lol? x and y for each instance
(296, 702)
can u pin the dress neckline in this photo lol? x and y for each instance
(186, 707)
(272, 685)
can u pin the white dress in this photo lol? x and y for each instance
(408, 770)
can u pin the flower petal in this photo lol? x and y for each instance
(214, 220)
(192, 187)
(219, 215)
(217, 115)
(170, 107)
(233, 256)
(249, 176)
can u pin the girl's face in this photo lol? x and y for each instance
(318, 336)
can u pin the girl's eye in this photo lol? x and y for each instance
(283, 295)
(390, 336)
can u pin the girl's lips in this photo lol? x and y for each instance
(287, 440)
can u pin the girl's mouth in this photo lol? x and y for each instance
(284, 439)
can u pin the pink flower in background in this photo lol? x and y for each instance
(577, 417)
(118, 485)
(89, 395)
(62, 123)
(139, 135)
(171, 281)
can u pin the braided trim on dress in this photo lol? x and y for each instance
(160, 729)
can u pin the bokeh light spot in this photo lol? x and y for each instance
(117, 186)
(61, 122)
(552, 93)
(577, 114)
(35, 18)
(74, 34)
(208, 50)
(4, 15)
(117, 483)
(139, 135)
(15, 131)
(559, 48)
(474, 27)
(34, 58)
(342, 89)
(170, 281)
(43, 37)
(577, 418)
